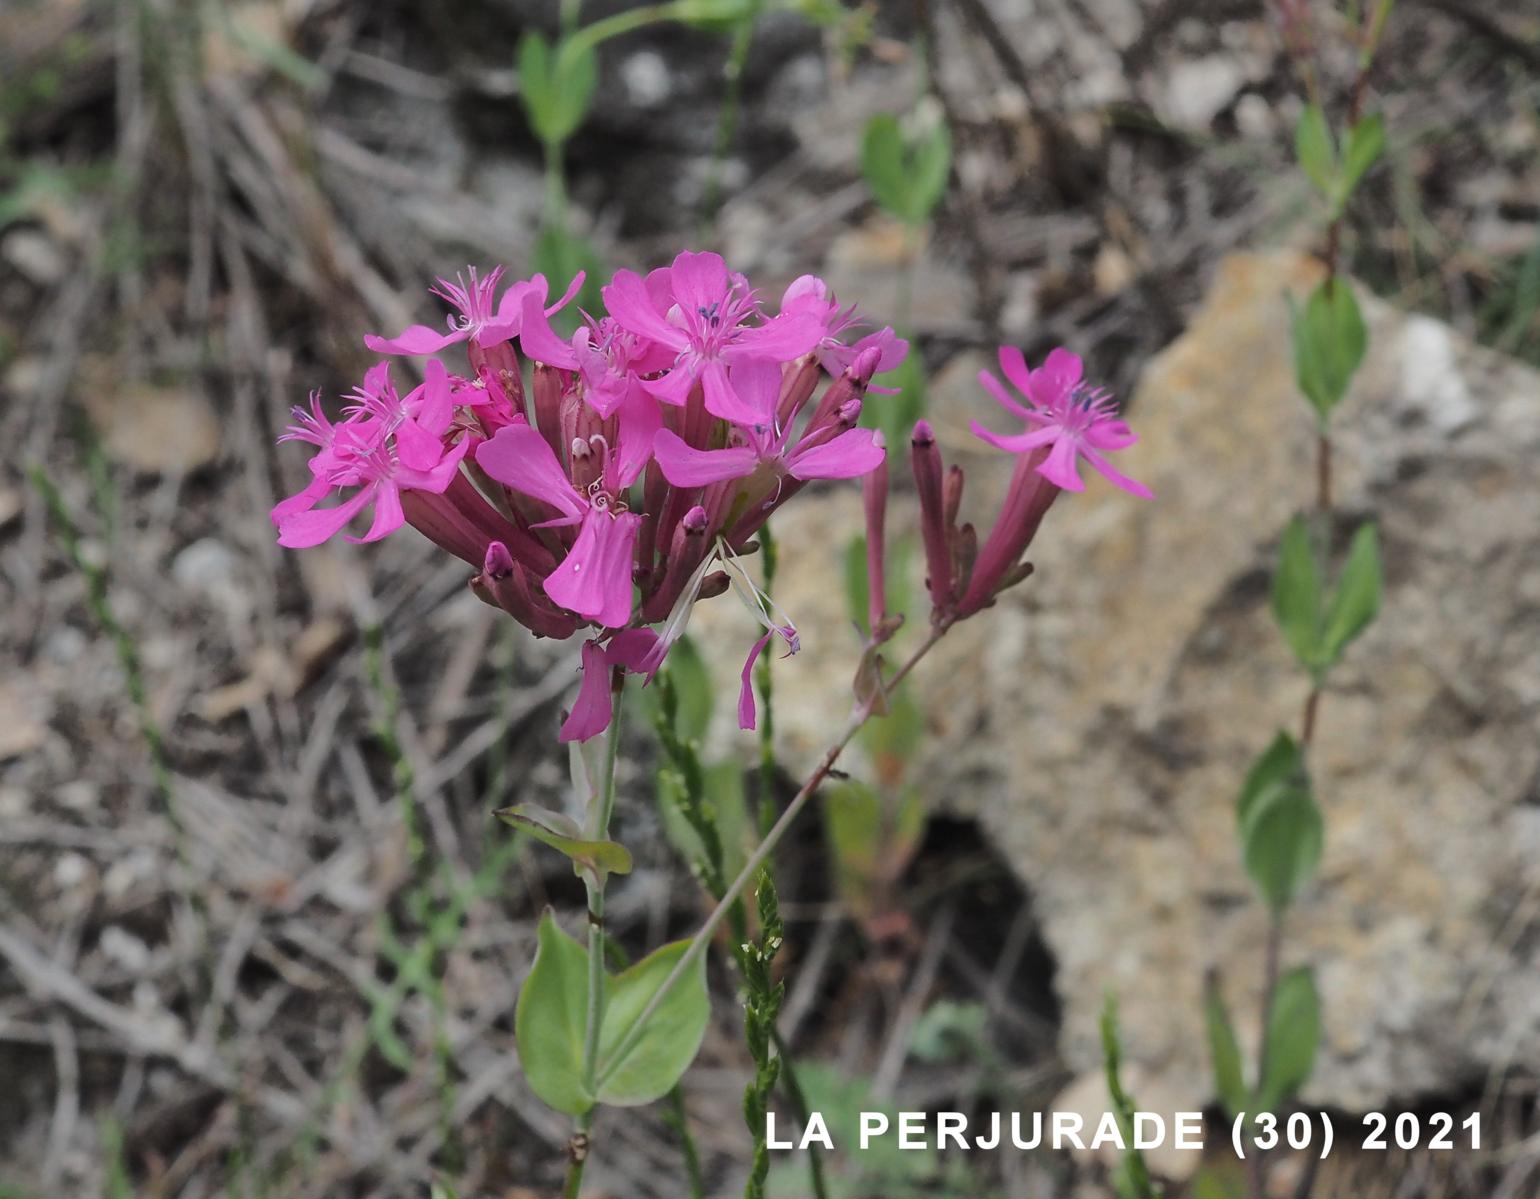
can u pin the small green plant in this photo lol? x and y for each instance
(906, 163)
(1132, 1179)
(1279, 823)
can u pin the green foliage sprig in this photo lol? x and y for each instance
(1279, 823)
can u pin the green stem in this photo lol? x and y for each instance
(601, 807)
(757, 859)
(732, 104)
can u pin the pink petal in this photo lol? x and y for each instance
(1056, 378)
(1110, 435)
(417, 448)
(806, 293)
(301, 501)
(997, 389)
(519, 457)
(442, 474)
(437, 406)
(782, 338)
(594, 580)
(633, 649)
(699, 280)
(853, 453)
(1116, 477)
(640, 421)
(746, 395)
(675, 387)
(1013, 364)
(891, 348)
(1016, 443)
(685, 466)
(627, 300)
(419, 339)
(1059, 467)
(746, 710)
(566, 297)
(388, 516)
(591, 711)
(539, 340)
(304, 529)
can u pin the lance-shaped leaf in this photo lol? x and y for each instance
(562, 834)
(1281, 830)
(1356, 600)
(1283, 839)
(1225, 1052)
(1293, 1033)
(669, 1041)
(1314, 149)
(1365, 144)
(549, 1021)
(1297, 595)
(1329, 343)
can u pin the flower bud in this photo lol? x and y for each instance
(935, 531)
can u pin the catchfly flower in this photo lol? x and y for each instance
(605, 489)
(618, 478)
(1065, 415)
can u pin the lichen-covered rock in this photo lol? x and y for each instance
(1099, 721)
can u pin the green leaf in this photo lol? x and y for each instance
(549, 1021)
(882, 162)
(1329, 343)
(672, 1035)
(1221, 1180)
(857, 585)
(1357, 598)
(1297, 593)
(562, 834)
(930, 165)
(1225, 1053)
(712, 16)
(692, 685)
(1315, 150)
(1280, 763)
(1281, 841)
(908, 176)
(556, 85)
(1365, 144)
(1293, 1033)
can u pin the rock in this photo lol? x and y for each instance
(1098, 722)
(22, 724)
(156, 430)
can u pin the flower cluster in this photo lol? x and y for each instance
(623, 483)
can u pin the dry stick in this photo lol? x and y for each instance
(698, 943)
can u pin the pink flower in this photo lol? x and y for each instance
(629, 649)
(388, 444)
(810, 295)
(755, 441)
(606, 356)
(1067, 416)
(706, 328)
(594, 579)
(478, 319)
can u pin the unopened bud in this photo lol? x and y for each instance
(714, 584)
(935, 529)
(498, 563)
(694, 521)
